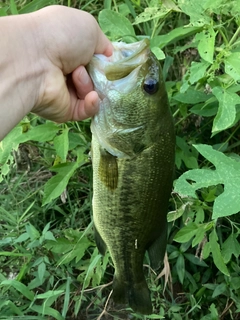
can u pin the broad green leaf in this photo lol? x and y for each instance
(41, 133)
(49, 294)
(199, 235)
(191, 96)
(227, 172)
(49, 236)
(206, 43)
(115, 25)
(9, 143)
(195, 10)
(232, 66)
(41, 271)
(220, 289)
(61, 144)
(230, 247)
(186, 153)
(151, 13)
(227, 109)
(3, 11)
(216, 253)
(160, 55)
(174, 36)
(89, 273)
(180, 267)
(195, 260)
(48, 311)
(197, 71)
(61, 245)
(20, 287)
(235, 282)
(57, 184)
(32, 231)
(13, 7)
(207, 109)
(186, 233)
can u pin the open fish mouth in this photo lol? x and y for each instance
(125, 59)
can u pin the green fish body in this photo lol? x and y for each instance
(133, 146)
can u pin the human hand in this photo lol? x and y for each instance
(70, 39)
(42, 61)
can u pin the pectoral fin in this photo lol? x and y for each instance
(108, 169)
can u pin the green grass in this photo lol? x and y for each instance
(49, 264)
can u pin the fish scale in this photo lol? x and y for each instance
(133, 146)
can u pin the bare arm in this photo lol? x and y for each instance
(42, 61)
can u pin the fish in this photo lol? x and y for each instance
(133, 147)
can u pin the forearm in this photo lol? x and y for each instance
(19, 73)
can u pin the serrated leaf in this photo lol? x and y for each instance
(114, 24)
(206, 43)
(227, 109)
(57, 184)
(20, 287)
(199, 235)
(61, 144)
(230, 247)
(232, 66)
(227, 172)
(216, 253)
(196, 11)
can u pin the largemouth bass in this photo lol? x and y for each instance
(133, 146)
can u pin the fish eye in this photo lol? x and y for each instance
(150, 85)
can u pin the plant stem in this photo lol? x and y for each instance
(234, 37)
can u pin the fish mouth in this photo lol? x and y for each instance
(125, 59)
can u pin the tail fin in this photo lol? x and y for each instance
(137, 295)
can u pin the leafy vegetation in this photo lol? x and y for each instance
(50, 266)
